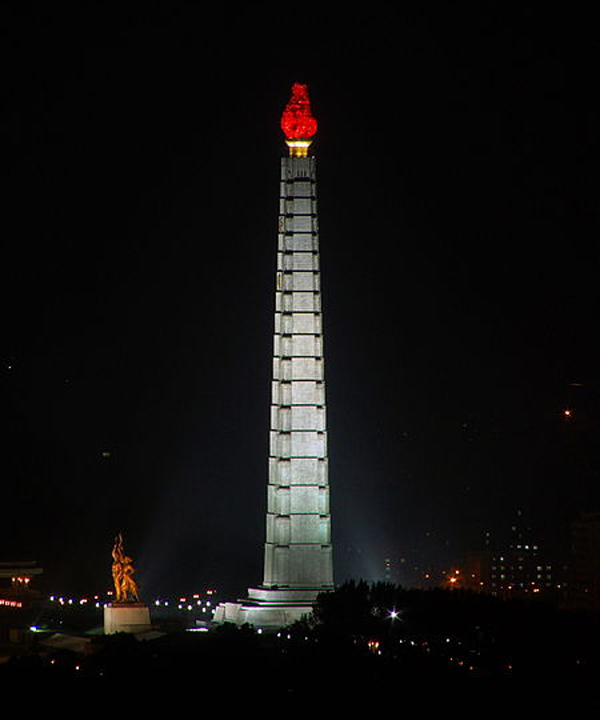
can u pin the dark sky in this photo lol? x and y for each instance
(457, 178)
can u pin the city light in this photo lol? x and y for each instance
(11, 603)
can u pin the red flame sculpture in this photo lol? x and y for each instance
(297, 121)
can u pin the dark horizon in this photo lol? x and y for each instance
(458, 226)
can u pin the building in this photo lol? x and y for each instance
(15, 582)
(298, 561)
(519, 567)
(585, 562)
(18, 600)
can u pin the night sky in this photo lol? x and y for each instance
(457, 179)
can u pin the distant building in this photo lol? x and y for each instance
(17, 598)
(521, 570)
(15, 578)
(517, 568)
(585, 562)
(424, 566)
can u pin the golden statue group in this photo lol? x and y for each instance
(126, 589)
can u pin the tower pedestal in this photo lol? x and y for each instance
(268, 607)
(130, 617)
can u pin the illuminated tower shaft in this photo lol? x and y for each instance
(298, 550)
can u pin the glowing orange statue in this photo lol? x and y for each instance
(126, 589)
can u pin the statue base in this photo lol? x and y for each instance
(128, 617)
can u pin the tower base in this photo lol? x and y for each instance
(269, 608)
(131, 618)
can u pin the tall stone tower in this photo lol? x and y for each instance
(298, 552)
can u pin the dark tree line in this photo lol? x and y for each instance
(423, 650)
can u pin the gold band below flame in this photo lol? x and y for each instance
(298, 147)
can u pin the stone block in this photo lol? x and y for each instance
(129, 617)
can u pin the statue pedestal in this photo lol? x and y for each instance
(128, 617)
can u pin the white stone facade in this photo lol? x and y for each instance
(130, 617)
(298, 543)
(298, 553)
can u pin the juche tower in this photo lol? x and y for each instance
(298, 553)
